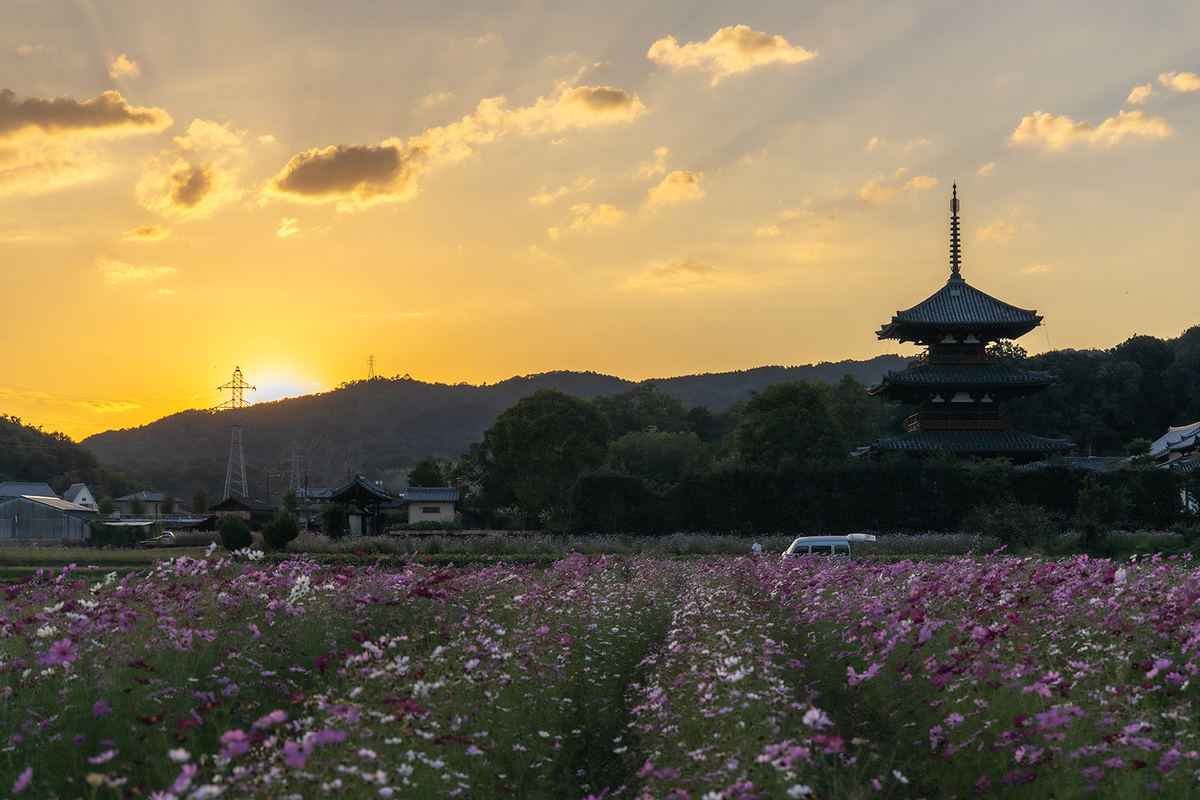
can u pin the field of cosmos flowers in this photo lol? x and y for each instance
(602, 676)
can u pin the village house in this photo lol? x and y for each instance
(10, 489)
(431, 504)
(81, 495)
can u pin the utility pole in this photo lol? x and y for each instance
(235, 473)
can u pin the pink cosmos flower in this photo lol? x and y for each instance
(236, 743)
(61, 652)
(107, 755)
(99, 708)
(22, 780)
(186, 773)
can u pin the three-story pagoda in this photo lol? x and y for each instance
(957, 386)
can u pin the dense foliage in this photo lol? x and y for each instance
(31, 454)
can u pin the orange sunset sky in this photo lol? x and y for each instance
(473, 190)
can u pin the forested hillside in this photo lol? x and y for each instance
(31, 454)
(394, 422)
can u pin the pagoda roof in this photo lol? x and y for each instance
(971, 442)
(958, 375)
(959, 305)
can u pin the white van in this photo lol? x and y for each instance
(835, 546)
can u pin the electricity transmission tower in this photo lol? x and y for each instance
(235, 473)
(370, 367)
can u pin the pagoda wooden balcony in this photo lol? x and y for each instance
(950, 421)
(956, 358)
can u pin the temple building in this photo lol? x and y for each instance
(957, 387)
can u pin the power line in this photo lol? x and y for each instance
(75, 352)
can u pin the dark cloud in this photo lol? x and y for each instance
(109, 113)
(191, 184)
(349, 171)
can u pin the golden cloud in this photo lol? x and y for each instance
(288, 227)
(986, 169)
(544, 197)
(119, 271)
(654, 166)
(26, 50)
(192, 178)
(107, 115)
(585, 217)
(1180, 81)
(122, 67)
(680, 185)
(729, 51)
(920, 182)
(1057, 133)
(1140, 94)
(435, 98)
(679, 275)
(881, 188)
(356, 176)
(146, 233)
(768, 231)
(876, 143)
(1035, 269)
(999, 232)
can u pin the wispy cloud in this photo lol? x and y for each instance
(1000, 232)
(544, 197)
(986, 169)
(655, 165)
(434, 98)
(288, 227)
(677, 187)
(881, 188)
(1057, 133)
(586, 217)
(146, 233)
(119, 271)
(727, 52)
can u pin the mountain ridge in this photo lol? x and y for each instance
(402, 419)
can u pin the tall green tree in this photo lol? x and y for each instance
(536, 449)
(642, 408)
(167, 506)
(791, 424)
(429, 471)
(200, 500)
(662, 458)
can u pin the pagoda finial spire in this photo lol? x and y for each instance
(955, 262)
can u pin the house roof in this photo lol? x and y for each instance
(72, 494)
(982, 442)
(423, 494)
(145, 497)
(22, 488)
(360, 490)
(1178, 438)
(239, 503)
(60, 504)
(959, 305)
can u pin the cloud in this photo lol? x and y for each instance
(999, 232)
(680, 185)
(146, 233)
(768, 231)
(728, 52)
(920, 182)
(1140, 94)
(585, 217)
(266, 138)
(120, 272)
(656, 165)
(876, 143)
(356, 176)
(1035, 269)
(288, 227)
(107, 115)
(880, 188)
(193, 178)
(436, 97)
(27, 50)
(122, 67)
(1180, 81)
(99, 406)
(795, 219)
(679, 276)
(1058, 133)
(986, 169)
(544, 197)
